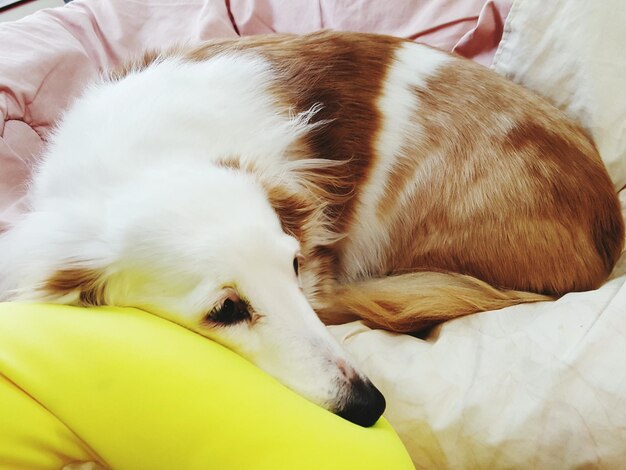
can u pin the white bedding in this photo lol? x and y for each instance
(533, 386)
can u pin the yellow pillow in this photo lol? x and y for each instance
(132, 391)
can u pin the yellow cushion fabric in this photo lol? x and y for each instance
(132, 391)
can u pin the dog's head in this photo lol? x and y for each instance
(206, 248)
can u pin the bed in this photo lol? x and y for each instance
(530, 386)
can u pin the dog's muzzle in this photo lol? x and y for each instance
(364, 404)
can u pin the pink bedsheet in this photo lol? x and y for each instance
(46, 59)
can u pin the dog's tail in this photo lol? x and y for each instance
(411, 302)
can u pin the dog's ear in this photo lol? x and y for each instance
(88, 286)
(304, 193)
(297, 212)
(295, 204)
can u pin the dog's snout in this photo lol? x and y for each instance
(365, 403)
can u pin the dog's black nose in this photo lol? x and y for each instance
(365, 403)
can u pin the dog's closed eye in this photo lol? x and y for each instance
(231, 311)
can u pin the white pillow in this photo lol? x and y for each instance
(573, 52)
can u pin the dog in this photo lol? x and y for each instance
(248, 188)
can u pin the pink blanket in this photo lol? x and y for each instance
(46, 59)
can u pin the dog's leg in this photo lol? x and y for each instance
(411, 302)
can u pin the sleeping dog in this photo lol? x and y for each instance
(247, 188)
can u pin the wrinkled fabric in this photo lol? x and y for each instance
(538, 386)
(472, 28)
(47, 58)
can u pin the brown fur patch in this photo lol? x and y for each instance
(499, 185)
(295, 211)
(87, 283)
(230, 163)
(136, 65)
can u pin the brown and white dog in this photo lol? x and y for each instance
(241, 187)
